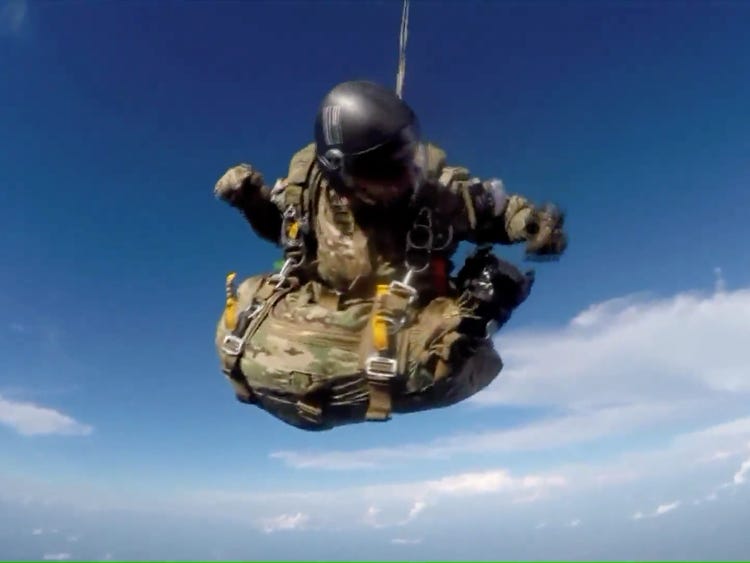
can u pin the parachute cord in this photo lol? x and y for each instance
(402, 50)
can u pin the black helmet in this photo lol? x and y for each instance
(364, 133)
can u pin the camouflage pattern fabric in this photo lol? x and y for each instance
(304, 366)
(304, 363)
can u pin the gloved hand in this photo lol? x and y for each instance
(545, 239)
(239, 184)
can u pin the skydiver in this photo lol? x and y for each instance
(369, 216)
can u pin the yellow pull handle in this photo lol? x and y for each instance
(230, 309)
(293, 230)
(379, 326)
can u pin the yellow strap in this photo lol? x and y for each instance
(379, 324)
(230, 309)
(388, 304)
(293, 230)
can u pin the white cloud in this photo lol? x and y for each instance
(553, 433)
(575, 496)
(380, 505)
(491, 482)
(481, 484)
(418, 507)
(741, 476)
(718, 456)
(371, 514)
(664, 508)
(56, 556)
(473, 483)
(37, 532)
(406, 541)
(285, 522)
(12, 16)
(30, 420)
(659, 511)
(629, 350)
(672, 464)
(374, 519)
(620, 366)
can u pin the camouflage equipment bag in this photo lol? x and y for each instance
(303, 360)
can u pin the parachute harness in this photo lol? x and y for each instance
(244, 326)
(273, 287)
(293, 227)
(391, 310)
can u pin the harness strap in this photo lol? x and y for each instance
(379, 354)
(299, 191)
(246, 324)
(302, 181)
(310, 410)
(230, 308)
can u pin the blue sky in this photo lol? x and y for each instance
(620, 426)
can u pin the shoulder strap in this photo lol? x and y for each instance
(297, 192)
(458, 180)
(435, 161)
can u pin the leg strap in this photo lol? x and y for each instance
(379, 350)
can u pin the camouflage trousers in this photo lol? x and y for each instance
(304, 361)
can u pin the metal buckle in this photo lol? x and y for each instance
(291, 214)
(402, 288)
(425, 240)
(232, 345)
(404, 285)
(292, 243)
(448, 240)
(289, 264)
(484, 290)
(380, 367)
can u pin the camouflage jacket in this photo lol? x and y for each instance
(353, 244)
